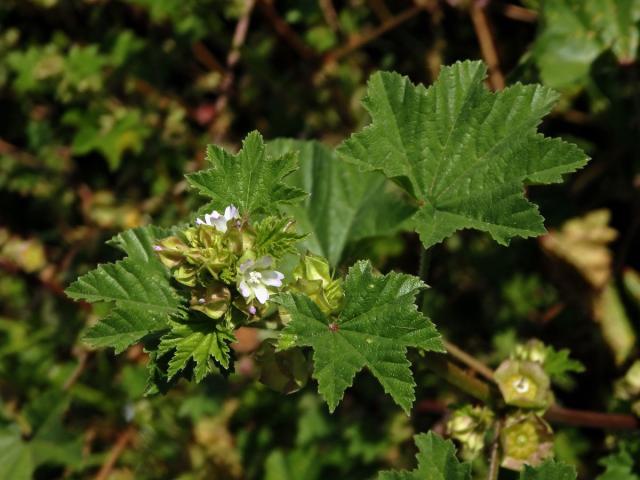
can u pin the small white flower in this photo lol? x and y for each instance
(219, 221)
(254, 279)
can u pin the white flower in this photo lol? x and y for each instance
(217, 220)
(254, 279)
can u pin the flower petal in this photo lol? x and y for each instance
(272, 278)
(231, 212)
(261, 292)
(246, 265)
(245, 291)
(263, 262)
(220, 224)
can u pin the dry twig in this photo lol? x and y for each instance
(283, 29)
(239, 37)
(487, 45)
(118, 448)
(359, 40)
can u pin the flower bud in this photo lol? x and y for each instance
(213, 301)
(313, 278)
(468, 425)
(171, 251)
(526, 439)
(283, 371)
(523, 384)
(628, 387)
(532, 351)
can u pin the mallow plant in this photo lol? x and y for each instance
(266, 247)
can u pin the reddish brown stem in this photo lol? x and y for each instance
(239, 37)
(589, 419)
(521, 14)
(361, 39)
(283, 29)
(487, 45)
(118, 448)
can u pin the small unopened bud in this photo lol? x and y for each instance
(252, 310)
(532, 351)
(157, 248)
(468, 426)
(213, 301)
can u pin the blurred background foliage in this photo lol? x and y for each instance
(105, 104)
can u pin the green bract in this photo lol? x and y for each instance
(462, 152)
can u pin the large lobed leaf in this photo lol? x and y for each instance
(575, 32)
(137, 286)
(377, 324)
(344, 205)
(49, 442)
(463, 152)
(251, 180)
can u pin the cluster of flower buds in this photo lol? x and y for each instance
(525, 437)
(469, 426)
(216, 258)
(628, 387)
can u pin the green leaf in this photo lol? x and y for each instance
(250, 180)
(137, 286)
(549, 470)
(128, 284)
(297, 464)
(138, 244)
(619, 466)
(199, 341)
(344, 205)
(122, 328)
(16, 457)
(463, 152)
(275, 236)
(558, 365)
(436, 461)
(111, 134)
(377, 324)
(576, 32)
(49, 443)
